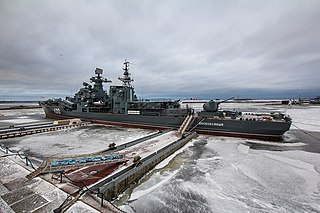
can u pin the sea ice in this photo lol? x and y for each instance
(138, 193)
(243, 180)
(306, 118)
(243, 149)
(22, 112)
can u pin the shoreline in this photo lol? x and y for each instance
(21, 107)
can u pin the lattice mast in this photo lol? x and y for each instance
(126, 79)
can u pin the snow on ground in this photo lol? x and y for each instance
(14, 174)
(150, 146)
(83, 140)
(212, 174)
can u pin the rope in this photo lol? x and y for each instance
(82, 191)
(68, 197)
(307, 124)
(59, 209)
(305, 132)
(18, 153)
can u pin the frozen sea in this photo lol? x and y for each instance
(209, 174)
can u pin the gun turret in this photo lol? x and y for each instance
(213, 106)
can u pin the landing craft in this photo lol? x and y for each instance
(120, 106)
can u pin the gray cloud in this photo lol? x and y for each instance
(178, 48)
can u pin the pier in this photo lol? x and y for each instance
(106, 173)
(111, 186)
(30, 129)
(109, 179)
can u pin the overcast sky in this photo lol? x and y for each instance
(179, 49)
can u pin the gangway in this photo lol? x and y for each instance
(56, 164)
(185, 124)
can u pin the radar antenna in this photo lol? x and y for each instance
(126, 79)
(98, 78)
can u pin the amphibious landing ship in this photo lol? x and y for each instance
(120, 106)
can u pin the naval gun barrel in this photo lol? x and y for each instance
(225, 100)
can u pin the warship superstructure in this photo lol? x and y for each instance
(120, 106)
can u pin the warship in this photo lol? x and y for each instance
(120, 106)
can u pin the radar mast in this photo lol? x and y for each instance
(98, 80)
(126, 79)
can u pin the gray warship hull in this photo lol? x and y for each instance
(203, 125)
(120, 106)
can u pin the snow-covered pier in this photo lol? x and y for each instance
(143, 158)
(110, 179)
(30, 129)
(82, 175)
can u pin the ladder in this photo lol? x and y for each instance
(185, 124)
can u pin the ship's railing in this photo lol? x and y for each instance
(55, 164)
(156, 100)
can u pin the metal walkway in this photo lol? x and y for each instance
(75, 161)
(185, 124)
(19, 131)
(134, 142)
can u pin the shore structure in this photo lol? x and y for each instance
(106, 173)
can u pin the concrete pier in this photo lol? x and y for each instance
(18, 194)
(109, 180)
(12, 132)
(88, 175)
(118, 182)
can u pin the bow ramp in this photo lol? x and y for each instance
(56, 164)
